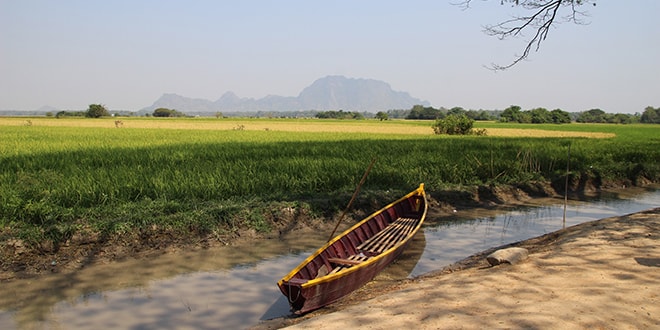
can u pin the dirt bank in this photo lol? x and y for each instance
(19, 260)
(597, 275)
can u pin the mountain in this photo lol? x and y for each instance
(181, 103)
(338, 92)
(328, 93)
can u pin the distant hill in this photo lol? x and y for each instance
(329, 93)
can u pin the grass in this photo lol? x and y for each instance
(59, 178)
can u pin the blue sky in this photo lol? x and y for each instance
(126, 54)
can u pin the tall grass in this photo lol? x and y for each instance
(55, 181)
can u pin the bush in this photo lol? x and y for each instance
(456, 125)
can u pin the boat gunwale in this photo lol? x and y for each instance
(331, 277)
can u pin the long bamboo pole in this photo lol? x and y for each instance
(357, 190)
(568, 167)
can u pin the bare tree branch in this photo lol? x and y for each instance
(544, 14)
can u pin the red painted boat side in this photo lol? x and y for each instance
(306, 291)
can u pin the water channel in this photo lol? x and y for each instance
(228, 289)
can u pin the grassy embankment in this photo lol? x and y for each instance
(200, 177)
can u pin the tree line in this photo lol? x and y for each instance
(100, 110)
(512, 114)
(341, 114)
(515, 114)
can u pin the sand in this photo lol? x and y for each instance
(603, 274)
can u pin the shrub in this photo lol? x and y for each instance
(456, 125)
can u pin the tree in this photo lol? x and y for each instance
(62, 114)
(592, 116)
(621, 118)
(559, 116)
(341, 114)
(165, 112)
(540, 116)
(651, 115)
(422, 112)
(456, 111)
(511, 114)
(382, 116)
(97, 111)
(540, 16)
(479, 115)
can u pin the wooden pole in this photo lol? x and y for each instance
(357, 190)
(568, 162)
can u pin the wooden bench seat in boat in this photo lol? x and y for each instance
(383, 240)
(342, 263)
(394, 233)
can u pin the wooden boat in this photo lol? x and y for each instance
(354, 257)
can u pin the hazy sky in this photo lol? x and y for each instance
(126, 54)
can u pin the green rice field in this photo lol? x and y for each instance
(201, 176)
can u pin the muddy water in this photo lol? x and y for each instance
(235, 288)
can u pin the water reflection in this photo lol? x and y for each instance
(204, 300)
(226, 286)
(230, 288)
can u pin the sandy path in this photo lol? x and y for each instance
(598, 275)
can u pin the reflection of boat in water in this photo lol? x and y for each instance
(404, 265)
(356, 256)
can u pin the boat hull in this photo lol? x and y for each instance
(374, 242)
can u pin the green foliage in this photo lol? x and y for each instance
(592, 116)
(540, 116)
(514, 114)
(454, 125)
(341, 114)
(422, 112)
(481, 114)
(600, 116)
(651, 115)
(63, 114)
(96, 111)
(511, 114)
(559, 116)
(382, 116)
(164, 112)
